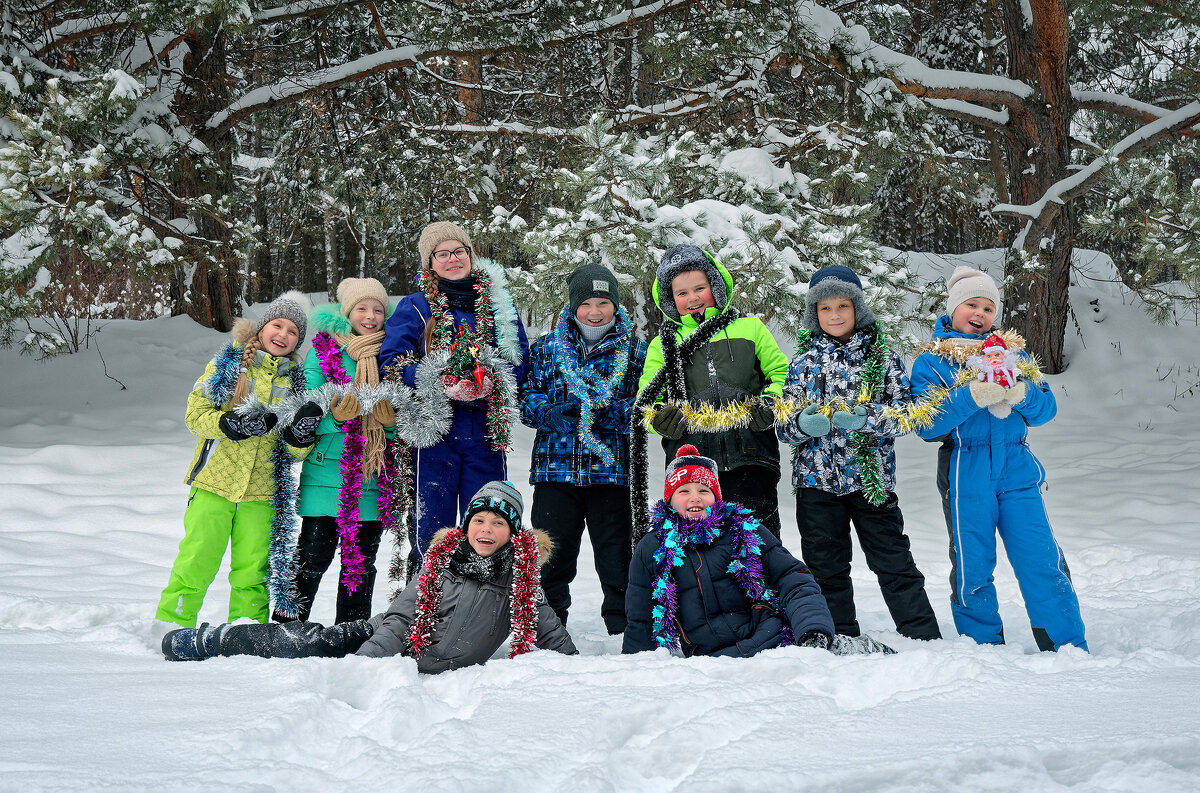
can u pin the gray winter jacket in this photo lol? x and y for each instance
(473, 621)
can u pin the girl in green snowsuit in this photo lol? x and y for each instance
(240, 474)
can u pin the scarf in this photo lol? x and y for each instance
(525, 579)
(670, 377)
(676, 536)
(459, 294)
(592, 334)
(591, 391)
(364, 351)
(281, 552)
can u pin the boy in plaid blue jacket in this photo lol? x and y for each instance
(578, 395)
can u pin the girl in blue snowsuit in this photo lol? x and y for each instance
(989, 479)
(418, 339)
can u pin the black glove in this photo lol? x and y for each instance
(562, 417)
(668, 422)
(239, 428)
(762, 417)
(816, 639)
(303, 429)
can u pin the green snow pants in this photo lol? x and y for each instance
(209, 524)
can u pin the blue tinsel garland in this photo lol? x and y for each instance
(218, 389)
(592, 391)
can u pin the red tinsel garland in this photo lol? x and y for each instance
(429, 591)
(526, 578)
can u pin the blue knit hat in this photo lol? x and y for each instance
(836, 281)
(501, 497)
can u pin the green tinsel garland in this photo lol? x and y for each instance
(862, 445)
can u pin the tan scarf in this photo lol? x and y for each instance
(364, 351)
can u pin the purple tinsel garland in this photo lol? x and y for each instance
(353, 565)
(675, 536)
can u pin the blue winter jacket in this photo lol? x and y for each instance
(714, 615)
(965, 427)
(830, 369)
(405, 333)
(563, 457)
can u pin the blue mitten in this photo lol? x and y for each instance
(850, 422)
(811, 422)
(562, 418)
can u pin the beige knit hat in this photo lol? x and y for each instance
(966, 283)
(351, 291)
(435, 234)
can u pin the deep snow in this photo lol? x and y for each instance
(91, 500)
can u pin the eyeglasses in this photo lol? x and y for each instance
(463, 253)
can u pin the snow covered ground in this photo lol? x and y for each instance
(91, 500)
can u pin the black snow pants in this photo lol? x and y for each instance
(292, 639)
(314, 553)
(824, 520)
(755, 487)
(560, 510)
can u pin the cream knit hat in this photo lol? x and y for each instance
(966, 283)
(435, 234)
(351, 291)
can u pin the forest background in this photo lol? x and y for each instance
(166, 157)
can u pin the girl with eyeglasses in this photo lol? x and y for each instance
(459, 342)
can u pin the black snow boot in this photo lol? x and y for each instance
(190, 644)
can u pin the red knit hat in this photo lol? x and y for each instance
(994, 341)
(690, 466)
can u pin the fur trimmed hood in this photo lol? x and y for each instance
(243, 331)
(545, 545)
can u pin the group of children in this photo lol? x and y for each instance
(701, 572)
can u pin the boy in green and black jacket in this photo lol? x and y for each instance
(709, 356)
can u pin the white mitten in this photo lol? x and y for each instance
(986, 394)
(1016, 395)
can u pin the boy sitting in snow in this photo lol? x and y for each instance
(708, 580)
(477, 584)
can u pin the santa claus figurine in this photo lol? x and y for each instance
(995, 362)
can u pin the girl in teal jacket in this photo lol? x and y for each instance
(340, 491)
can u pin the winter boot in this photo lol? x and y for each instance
(190, 644)
(858, 645)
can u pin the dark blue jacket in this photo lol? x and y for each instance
(563, 457)
(715, 617)
(405, 332)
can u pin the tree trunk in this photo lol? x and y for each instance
(1037, 154)
(204, 89)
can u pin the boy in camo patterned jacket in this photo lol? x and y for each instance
(843, 458)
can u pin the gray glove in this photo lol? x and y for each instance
(668, 422)
(812, 422)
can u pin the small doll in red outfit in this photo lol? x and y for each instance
(996, 364)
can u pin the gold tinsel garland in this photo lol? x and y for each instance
(915, 415)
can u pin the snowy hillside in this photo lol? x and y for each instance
(91, 502)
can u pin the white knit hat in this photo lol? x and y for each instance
(966, 283)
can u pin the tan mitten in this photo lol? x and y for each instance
(343, 407)
(986, 394)
(384, 413)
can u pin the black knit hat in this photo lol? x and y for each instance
(501, 497)
(836, 281)
(591, 280)
(681, 259)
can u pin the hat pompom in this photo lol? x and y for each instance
(687, 449)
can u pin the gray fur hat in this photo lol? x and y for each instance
(836, 281)
(681, 259)
(291, 305)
